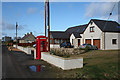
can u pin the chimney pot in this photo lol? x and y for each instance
(30, 32)
(27, 33)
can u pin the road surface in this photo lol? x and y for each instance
(16, 64)
(11, 68)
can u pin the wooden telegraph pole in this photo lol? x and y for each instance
(16, 34)
(45, 18)
(48, 25)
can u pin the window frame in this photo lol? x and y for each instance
(92, 29)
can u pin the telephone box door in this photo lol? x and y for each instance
(41, 46)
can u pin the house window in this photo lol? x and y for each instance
(72, 41)
(61, 41)
(51, 41)
(114, 41)
(91, 23)
(55, 41)
(50, 36)
(92, 29)
(58, 41)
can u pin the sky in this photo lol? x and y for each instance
(31, 18)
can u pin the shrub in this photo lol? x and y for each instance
(87, 48)
(59, 53)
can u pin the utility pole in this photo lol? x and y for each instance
(48, 25)
(16, 34)
(45, 18)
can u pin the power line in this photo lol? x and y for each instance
(109, 16)
(107, 22)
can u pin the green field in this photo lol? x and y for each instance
(97, 64)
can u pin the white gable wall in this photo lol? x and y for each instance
(81, 39)
(72, 37)
(108, 40)
(76, 40)
(97, 34)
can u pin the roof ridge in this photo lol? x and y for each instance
(78, 26)
(24, 37)
(57, 31)
(104, 20)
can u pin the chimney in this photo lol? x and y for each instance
(30, 32)
(27, 33)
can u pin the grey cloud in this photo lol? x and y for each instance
(9, 26)
(100, 9)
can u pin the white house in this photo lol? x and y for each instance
(104, 34)
(28, 38)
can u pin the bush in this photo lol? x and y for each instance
(87, 49)
(59, 53)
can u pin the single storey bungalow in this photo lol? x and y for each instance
(57, 37)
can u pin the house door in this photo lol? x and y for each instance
(87, 41)
(78, 42)
(96, 42)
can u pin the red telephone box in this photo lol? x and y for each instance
(41, 46)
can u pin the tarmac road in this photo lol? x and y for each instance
(10, 66)
(16, 64)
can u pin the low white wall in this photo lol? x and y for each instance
(54, 45)
(64, 63)
(14, 45)
(24, 49)
(34, 53)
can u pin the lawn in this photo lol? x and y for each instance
(102, 64)
(97, 64)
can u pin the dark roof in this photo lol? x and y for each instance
(59, 34)
(79, 29)
(27, 35)
(107, 26)
(66, 34)
(104, 25)
(77, 35)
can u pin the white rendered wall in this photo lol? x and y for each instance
(63, 63)
(24, 49)
(34, 53)
(82, 39)
(76, 40)
(72, 37)
(54, 45)
(108, 40)
(97, 34)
